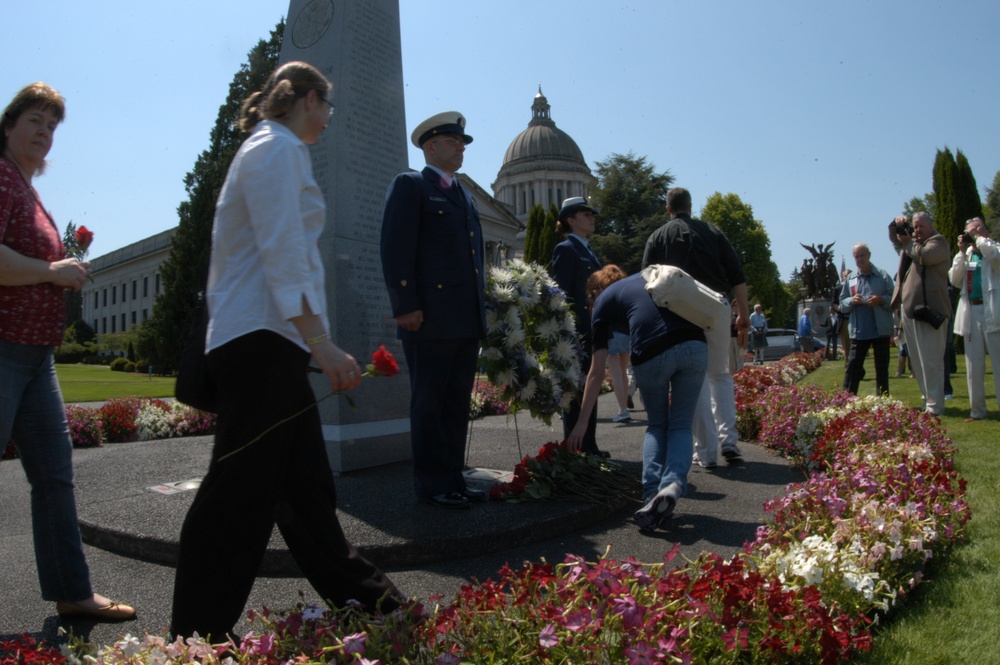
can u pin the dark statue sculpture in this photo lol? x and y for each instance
(819, 274)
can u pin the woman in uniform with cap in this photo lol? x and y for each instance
(573, 262)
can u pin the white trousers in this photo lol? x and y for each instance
(714, 422)
(976, 345)
(925, 344)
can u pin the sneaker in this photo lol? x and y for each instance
(731, 453)
(705, 465)
(659, 508)
(622, 417)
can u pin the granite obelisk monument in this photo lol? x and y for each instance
(356, 44)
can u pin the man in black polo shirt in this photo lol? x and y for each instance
(703, 251)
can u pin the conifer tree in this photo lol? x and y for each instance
(549, 237)
(945, 204)
(967, 201)
(956, 195)
(992, 207)
(532, 234)
(161, 339)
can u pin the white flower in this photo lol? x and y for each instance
(564, 351)
(492, 353)
(504, 378)
(504, 292)
(514, 338)
(549, 330)
(129, 646)
(492, 322)
(528, 391)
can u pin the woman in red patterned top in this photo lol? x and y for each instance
(34, 276)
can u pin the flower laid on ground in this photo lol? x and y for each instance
(383, 364)
(531, 351)
(559, 473)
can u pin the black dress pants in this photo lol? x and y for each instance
(284, 478)
(856, 364)
(442, 373)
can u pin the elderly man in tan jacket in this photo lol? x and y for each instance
(923, 280)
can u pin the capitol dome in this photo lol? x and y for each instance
(543, 165)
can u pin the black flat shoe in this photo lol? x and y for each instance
(475, 495)
(451, 500)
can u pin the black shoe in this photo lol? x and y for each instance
(630, 404)
(732, 454)
(452, 500)
(475, 495)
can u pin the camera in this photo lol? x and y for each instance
(906, 228)
(969, 240)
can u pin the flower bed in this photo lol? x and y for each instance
(837, 551)
(135, 419)
(487, 400)
(131, 419)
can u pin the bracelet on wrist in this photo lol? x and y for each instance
(315, 340)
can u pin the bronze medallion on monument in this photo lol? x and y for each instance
(312, 22)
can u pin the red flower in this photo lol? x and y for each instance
(84, 237)
(383, 364)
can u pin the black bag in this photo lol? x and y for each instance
(928, 315)
(923, 312)
(195, 386)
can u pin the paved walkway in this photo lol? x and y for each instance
(131, 532)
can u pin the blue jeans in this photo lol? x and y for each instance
(670, 385)
(32, 413)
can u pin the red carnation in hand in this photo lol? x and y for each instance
(383, 364)
(84, 237)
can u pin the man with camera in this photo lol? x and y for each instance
(922, 295)
(976, 272)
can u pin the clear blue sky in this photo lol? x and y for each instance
(824, 117)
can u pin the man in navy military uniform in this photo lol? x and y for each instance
(432, 261)
(573, 262)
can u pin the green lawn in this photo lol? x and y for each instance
(955, 617)
(96, 383)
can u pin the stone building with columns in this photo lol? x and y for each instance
(124, 284)
(543, 165)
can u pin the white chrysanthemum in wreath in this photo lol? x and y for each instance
(531, 351)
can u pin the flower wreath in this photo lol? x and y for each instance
(531, 352)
